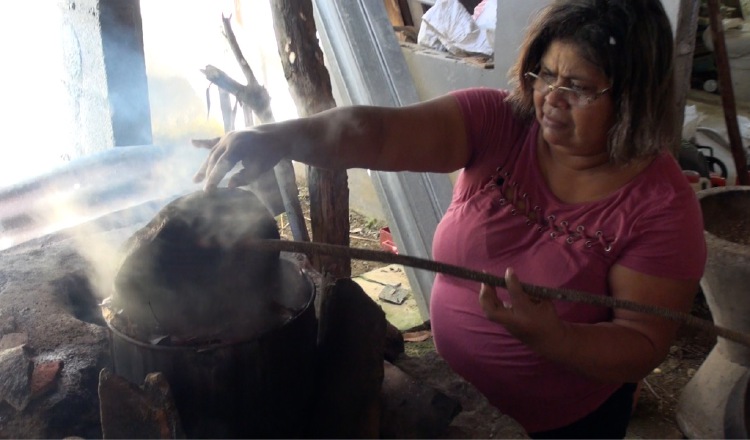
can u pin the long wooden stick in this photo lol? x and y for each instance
(311, 248)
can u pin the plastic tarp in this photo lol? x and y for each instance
(448, 26)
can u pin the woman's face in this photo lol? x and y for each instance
(577, 130)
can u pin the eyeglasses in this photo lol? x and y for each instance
(575, 97)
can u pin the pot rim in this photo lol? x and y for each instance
(307, 279)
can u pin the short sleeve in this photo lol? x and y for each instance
(668, 240)
(489, 121)
(494, 134)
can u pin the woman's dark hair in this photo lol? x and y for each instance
(631, 42)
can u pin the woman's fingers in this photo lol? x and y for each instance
(492, 306)
(216, 172)
(515, 290)
(511, 280)
(240, 178)
(201, 173)
(497, 309)
(256, 156)
(533, 321)
(207, 167)
(220, 161)
(488, 298)
(205, 143)
(513, 284)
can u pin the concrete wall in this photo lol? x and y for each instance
(85, 82)
(105, 76)
(125, 69)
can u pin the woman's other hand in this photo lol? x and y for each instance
(532, 320)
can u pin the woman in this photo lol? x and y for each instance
(567, 181)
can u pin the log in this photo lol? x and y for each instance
(349, 372)
(310, 88)
(393, 10)
(727, 93)
(684, 48)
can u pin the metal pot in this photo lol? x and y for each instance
(258, 387)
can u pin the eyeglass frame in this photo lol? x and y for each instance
(549, 88)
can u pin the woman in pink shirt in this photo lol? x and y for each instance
(567, 181)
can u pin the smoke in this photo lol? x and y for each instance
(55, 183)
(193, 271)
(99, 201)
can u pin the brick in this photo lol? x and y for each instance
(44, 378)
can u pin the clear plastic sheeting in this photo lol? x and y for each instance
(449, 27)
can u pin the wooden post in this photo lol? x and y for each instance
(727, 92)
(310, 88)
(393, 9)
(684, 49)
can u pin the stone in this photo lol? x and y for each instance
(31, 304)
(7, 323)
(15, 369)
(44, 378)
(412, 409)
(11, 340)
(393, 294)
(478, 418)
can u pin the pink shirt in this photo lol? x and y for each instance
(652, 225)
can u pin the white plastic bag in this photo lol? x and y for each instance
(691, 121)
(485, 16)
(744, 124)
(447, 25)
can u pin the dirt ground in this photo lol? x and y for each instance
(654, 416)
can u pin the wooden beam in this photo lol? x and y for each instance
(727, 92)
(393, 10)
(684, 49)
(311, 90)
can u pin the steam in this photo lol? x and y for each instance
(192, 271)
(53, 182)
(109, 193)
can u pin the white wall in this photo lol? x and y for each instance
(54, 84)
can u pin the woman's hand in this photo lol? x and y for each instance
(250, 147)
(533, 321)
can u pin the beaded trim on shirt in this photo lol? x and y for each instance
(548, 224)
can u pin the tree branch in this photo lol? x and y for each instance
(252, 82)
(311, 90)
(257, 99)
